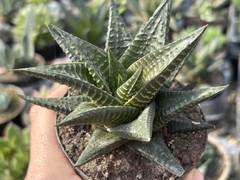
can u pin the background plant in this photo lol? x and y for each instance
(141, 10)
(14, 152)
(86, 20)
(125, 89)
(208, 11)
(20, 54)
(46, 12)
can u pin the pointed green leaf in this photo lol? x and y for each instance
(130, 87)
(75, 70)
(154, 62)
(139, 129)
(109, 116)
(156, 150)
(184, 126)
(116, 71)
(100, 143)
(97, 95)
(171, 103)
(27, 42)
(80, 50)
(64, 105)
(118, 37)
(158, 66)
(152, 35)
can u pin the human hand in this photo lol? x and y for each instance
(194, 174)
(47, 160)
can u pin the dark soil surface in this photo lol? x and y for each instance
(123, 163)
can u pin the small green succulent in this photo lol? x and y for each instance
(22, 53)
(46, 13)
(86, 20)
(125, 88)
(14, 152)
(5, 100)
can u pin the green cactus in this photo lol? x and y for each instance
(44, 15)
(14, 152)
(20, 54)
(125, 88)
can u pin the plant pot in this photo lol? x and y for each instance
(233, 34)
(123, 163)
(215, 108)
(219, 165)
(15, 107)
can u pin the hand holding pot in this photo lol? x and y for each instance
(47, 161)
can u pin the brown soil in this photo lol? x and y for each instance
(122, 163)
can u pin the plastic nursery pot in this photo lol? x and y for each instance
(15, 107)
(218, 165)
(20, 79)
(216, 108)
(233, 33)
(123, 163)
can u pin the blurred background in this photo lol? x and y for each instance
(25, 42)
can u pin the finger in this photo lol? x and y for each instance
(195, 174)
(46, 155)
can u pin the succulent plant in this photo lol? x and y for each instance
(9, 8)
(20, 54)
(14, 152)
(142, 10)
(5, 100)
(208, 11)
(86, 20)
(124, 89)
(46, 13)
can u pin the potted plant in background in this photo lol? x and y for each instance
(216, 161)
(208, 65)
(86, 20)
(11, 106)
(20, 54)
(123, 94)
(141, 10)
(46, 12)
(14, 152)
(213, 12)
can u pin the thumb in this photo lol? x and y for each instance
(47, 160)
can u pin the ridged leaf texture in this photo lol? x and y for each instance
(139, 129)
(110, 116)
(115, 68)
(126, 88)
(118, 37)
(96, 94)
(157, 151)
(80, 50)
(171, 103)
(64, 105)
(101, 142)
(151, 35)
(184, 126)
